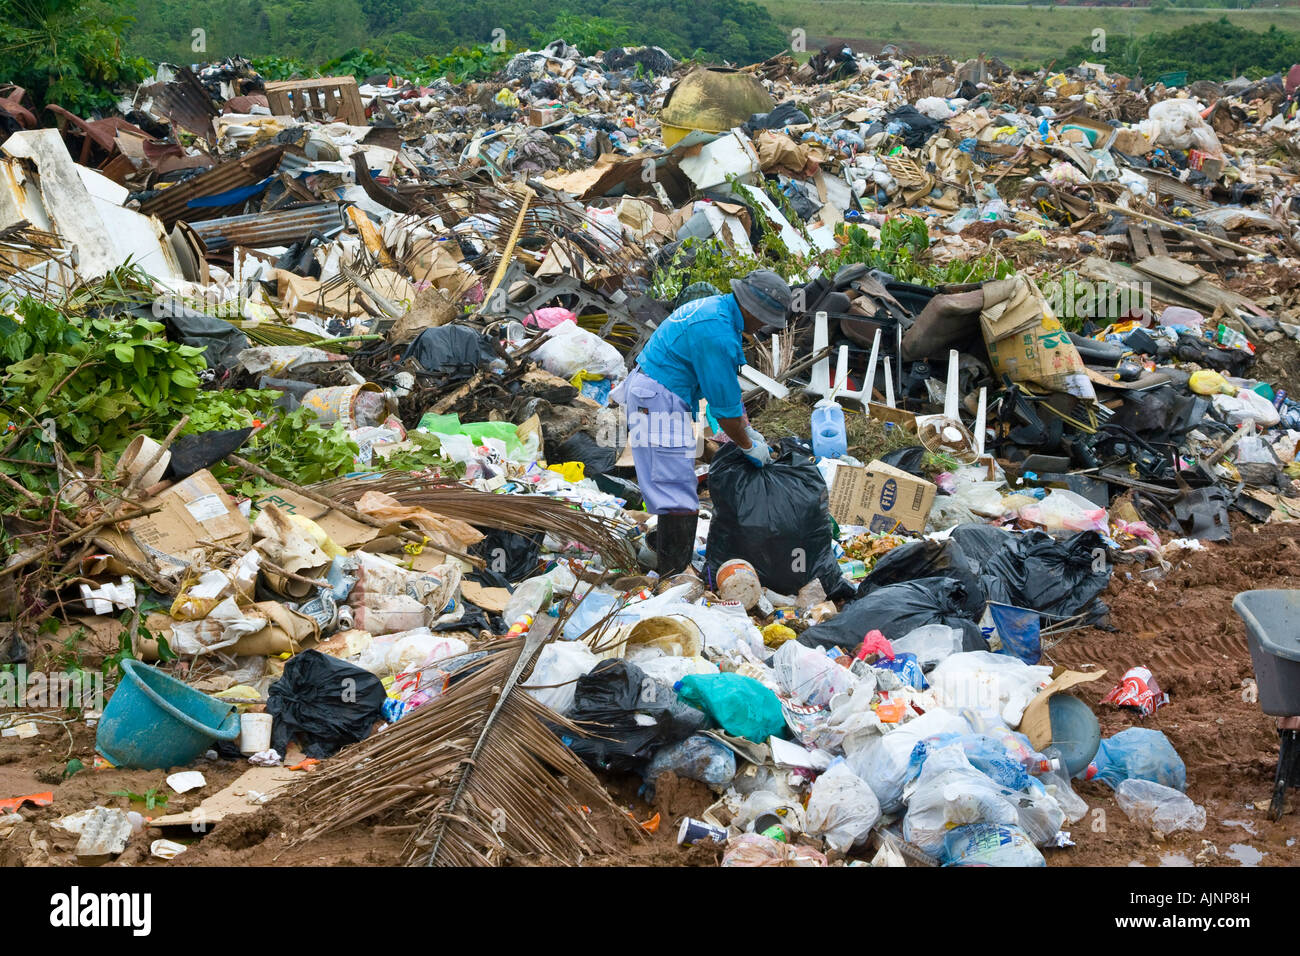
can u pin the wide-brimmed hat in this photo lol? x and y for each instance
(765, 296)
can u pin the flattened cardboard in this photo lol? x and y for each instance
(193, 510)
(881, 497)
(343, 531)
(233, 800)
(1036, 723)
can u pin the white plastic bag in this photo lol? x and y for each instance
(560, 663)
(842, 808)
(569, 349)
(666, 668)
(1247, 406)
(1159, 808)
(951, 793)
(982, 679)
(413, 649)
(882, 761)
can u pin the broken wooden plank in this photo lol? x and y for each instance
(1177, 227)
(1171, 270)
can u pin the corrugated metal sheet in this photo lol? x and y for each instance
(279, 228)
(170, 205)
(185, 103)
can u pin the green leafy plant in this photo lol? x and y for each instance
(101, 378)
(67, 52)
(151, 798)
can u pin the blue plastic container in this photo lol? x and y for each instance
(829, 439)
(153, 721)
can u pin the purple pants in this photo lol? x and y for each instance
(661, 433)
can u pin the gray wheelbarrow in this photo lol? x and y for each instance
(1272, 620)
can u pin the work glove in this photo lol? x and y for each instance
(758, 453)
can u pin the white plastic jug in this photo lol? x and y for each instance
(829, 438)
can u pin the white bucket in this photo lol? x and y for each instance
(254, 733)
(137, 455)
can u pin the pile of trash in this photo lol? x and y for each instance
(318, 384)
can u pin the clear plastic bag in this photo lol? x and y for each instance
(950, 793)
(842, 808)
(882, 761)
(752, 849)
(809, 676)
(696, 758)
(931, 644)
(1159, 808)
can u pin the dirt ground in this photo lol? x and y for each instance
(1182, 627)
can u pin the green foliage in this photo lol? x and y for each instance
(702, 260)
(902, 244)
(1207, 51)
(67, 52)
(151, 798)
(290, 444)
(101, 379)
(295, 35)
(588, 34)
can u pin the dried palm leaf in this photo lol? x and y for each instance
(524, 514)
(477, 771)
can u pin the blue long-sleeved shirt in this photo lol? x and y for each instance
(696, 352)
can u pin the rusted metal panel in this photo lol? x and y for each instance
(279, 228)
(185, 103)
(171, 205)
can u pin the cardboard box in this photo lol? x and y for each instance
(196, 509)
(1132, 142)
(881, 497)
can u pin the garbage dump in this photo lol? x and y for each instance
(806, 464)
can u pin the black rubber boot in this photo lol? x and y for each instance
(675, 542)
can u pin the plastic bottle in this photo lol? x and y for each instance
(531, 597)
(829, 437)
(1138, 753)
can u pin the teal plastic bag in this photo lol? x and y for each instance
(740, 705)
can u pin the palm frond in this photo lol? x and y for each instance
(477, 772)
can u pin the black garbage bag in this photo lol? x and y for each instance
(221, 342)
(193, 453)
(596, 458)
(897, 609)
(1058, 578)
(450, 350)
(508, 555)
(917, 127)
(776, 517)
(785, 113)
(608, 702)
(1031, 570)
(323, 703)
(909, 459)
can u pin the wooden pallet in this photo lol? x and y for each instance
(335, 97)
(1149, 240)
